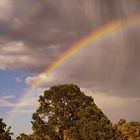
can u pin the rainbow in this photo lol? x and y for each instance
(83, 42)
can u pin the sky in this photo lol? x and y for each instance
(34, 33)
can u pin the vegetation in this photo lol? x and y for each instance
(66, 113)
(5, 134)
(128, 130)
(23, 137)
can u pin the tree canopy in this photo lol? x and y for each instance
(23, 137)
(128, 130)
(5, 134)
(65, 111)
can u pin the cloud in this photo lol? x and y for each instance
(26, 111)
(16, 55)
(29, 102)
(6, 8)
(107, 68)
(34, 33)
(4, 103)
(109, 64)
(6, 97)
(18, 79)
(45, 29)
(42, 79)
(116, 107)
(109, 101)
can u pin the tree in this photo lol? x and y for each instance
(5, 134)
(23, 137)
(33, 136)
(65, 112)
(128, 130)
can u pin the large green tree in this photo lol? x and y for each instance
(5, 134)
(65, 112)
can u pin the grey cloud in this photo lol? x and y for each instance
(46, 28)
(40, 25)
(110, 64)
(116, 107)
(28, 103)
(45, 23)
(15, 55)
(38, 18)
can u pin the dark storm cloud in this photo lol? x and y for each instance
(47, 22)
(109, 65)
(37, 32)
(109, 70)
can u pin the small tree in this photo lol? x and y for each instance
(4, 133)
(66, 112)
(128, 130)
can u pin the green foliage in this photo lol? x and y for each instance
(66, 112)
(4, 133)
(35, 136)
(32, 136)
(128, 130)
(23, 137)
